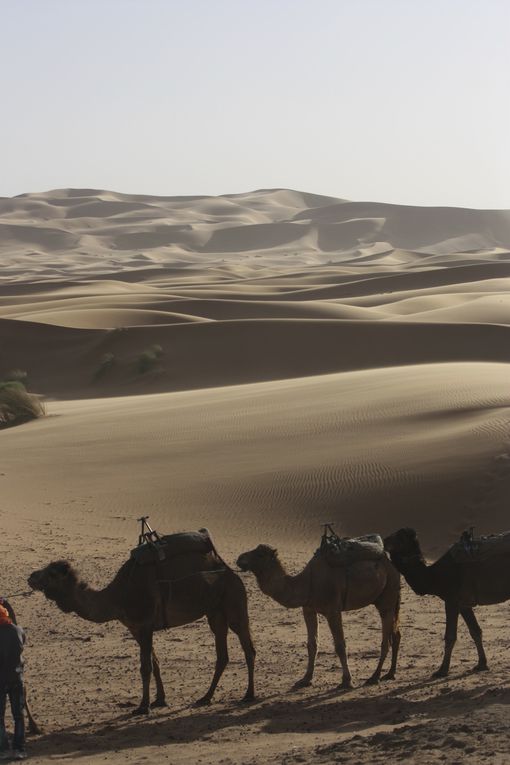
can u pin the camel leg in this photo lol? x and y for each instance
(144, 638)
(387, 620)
(476, 633)
(337, 631)
(32, 725)
(218, 624)
(395, 645)
(450, 637)
(160, 700)
(243, 633)
(312, 628)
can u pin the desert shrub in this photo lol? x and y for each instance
(107, 361)
(17, 405)
(148, 358)
(12, 384)
(17, 375)
(157, 350)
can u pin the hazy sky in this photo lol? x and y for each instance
(387, 100)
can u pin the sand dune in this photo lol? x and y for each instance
(317, 360)
(242, 289)
(106, 318)
(107, 228)
(364, 449)
(198, 354)
(419, 227)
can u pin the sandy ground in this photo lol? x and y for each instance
(319, 361)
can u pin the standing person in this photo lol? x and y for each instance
(12, 639)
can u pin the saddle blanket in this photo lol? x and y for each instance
(470, 549)
(172, 545)
(340, 551)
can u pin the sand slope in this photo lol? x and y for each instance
(365, 449)
(314, 360)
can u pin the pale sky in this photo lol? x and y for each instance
(401, 101)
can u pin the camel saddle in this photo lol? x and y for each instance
(156, 549)
(471, 549)
(344, 551)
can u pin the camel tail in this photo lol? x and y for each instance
(207, 533)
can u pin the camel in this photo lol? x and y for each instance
(460, 585)
(329, 590)
(149, 598)
(32, 725)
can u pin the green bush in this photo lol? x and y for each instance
(148, 358)
(17, 375)
(17, 405)
(107, 361)
(12, 384)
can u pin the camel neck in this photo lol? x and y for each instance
(415, 571)
(93, 605)
(289, 591)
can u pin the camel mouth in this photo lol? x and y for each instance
(242, 563)
(33, 581)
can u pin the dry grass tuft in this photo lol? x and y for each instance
(17, 405)
(149, 358)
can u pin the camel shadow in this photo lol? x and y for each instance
(327, 711)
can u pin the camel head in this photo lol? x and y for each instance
(403, 544)
(257, 560)
(57, 581)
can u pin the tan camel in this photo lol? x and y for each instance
(324, 589)
(148, 598)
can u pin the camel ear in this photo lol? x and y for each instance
(62, 567)
(274, 552)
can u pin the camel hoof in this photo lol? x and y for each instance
(305, 682)
(203, 702)
(346, 686)
(248, 698)
(388, 676)
(481, 668)
(157, 703)
(139, 711)
(372, 681)
(439, 674)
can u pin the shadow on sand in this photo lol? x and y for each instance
(329, 711)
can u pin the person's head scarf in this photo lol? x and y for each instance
(4, 616)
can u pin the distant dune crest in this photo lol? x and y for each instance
(71, 231)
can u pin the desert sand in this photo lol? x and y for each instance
(317, 360)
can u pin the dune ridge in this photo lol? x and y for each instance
(106, 230)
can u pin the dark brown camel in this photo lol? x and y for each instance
(32, 725)
(324, 589)
(148, 598)
(461, 585)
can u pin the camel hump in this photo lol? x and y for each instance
(342, 551)
(470, 549)
(173, 545)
